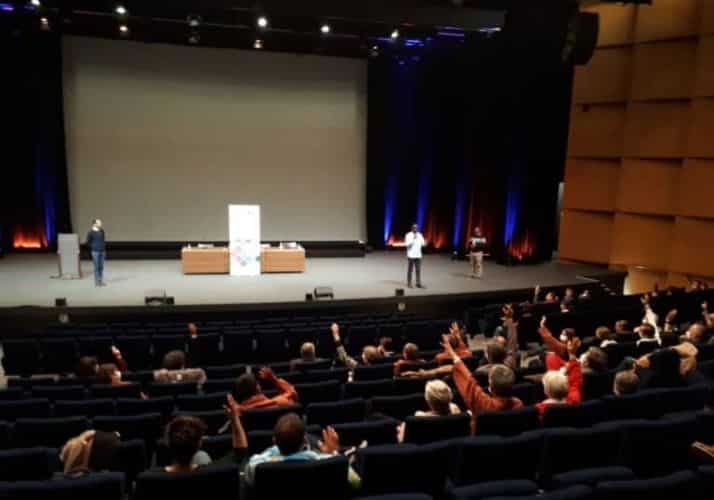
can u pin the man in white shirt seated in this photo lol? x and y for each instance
(414, 242)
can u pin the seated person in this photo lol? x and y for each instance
(174, 370)
(557, 346)
(291, 445)
(87, 367)
(647, 333)
(626, 382)
(667, 367)
(500, 379)
(439, 398)
(91, 451)
(594, 360)
(495, 355)
(384, 347)
(604, 336)
(192, 330)
(250, 395)
(696, 334)
(370, 353)
(410, 357)
(563, 388)
(307, 356)
(108, 373)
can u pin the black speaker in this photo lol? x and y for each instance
(308, 297)
(60, 302)
(581, 39)
(162, 300)
(399, 292)
(324, 292)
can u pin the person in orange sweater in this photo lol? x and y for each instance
(556, 358)
(563, 388)
(458, 341)
(250, 395)
(500, 380)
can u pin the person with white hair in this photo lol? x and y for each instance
(96, 243)
(563, 386)
(438, 396)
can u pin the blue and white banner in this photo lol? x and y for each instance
(244, 239)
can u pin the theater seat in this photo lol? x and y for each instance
(319, 392)
(399, 407)
(679, 485)
(99, 391)
(190, 485)
(507, 422)
(12, 394)
(579, 492)
(373, 372)
(146, 427)
(421, 430)
(512, 488)
(201, 402)
(369, 389)
(171, 388)
(25, 464)
(323, 479)
(21, 357)
(26, 408)
(374, 432)
(225, 371)
(131, 458)
(339, 374)
(214, 419)
(224, 385)
(135, 406)
(104, 485)
(53, 432)
(404, 496)
(591, 476)
(580, 415)
(266, 418)
(349, 410)
(85, 407)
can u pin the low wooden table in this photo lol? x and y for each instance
(205, 260)
(282, 260)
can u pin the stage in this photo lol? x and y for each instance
(27, 281)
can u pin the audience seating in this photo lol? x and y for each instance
(214, 419)
(507, 422)
(323, 479)
(201, 402)
(517, 488)
(205, 349)
(339, 412)
(419, 430)
(324, 375)
(25, 408)
(21, 357)
(373, 432)
(84, 407)
(216, 385)
(136, 350)
(171, 388)
(319, 392)
(29, 432)
(399, 407)
(217, 479)
(682, 484)
(579, 415)
(368, 389)
(59, 355)
(146, 427)
(135, 406)
(131, 390)
(265, 419)
(55, 393)
(105, 485)
(25, 464)
(364, 373)
(226, 371)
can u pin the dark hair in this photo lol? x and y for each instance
(105, 447)
(495, 353)
(597, 359)
(105, 373)
(87, 367)
(626, 382)
(501, 379)
(174, 360)
(411, 351)
(664, 364)
(184, 435)
(246, 386)
(289, 434)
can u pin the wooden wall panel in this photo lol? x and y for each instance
(606, 78)
(596, 131)
(656, 130)
(704, 78)
(648, 186)
(695, 189)
(616, 24)
(641, 280)
(663, 70)
(693, 247)
(701, 129)
(585, 236)
(706, 17)
(640, 240)
(667, 19)
(591, 184)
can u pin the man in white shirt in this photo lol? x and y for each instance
(414, 242)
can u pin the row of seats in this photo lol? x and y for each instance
(59, 354)
(551, 459)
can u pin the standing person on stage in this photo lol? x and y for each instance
(477, 247)
(96, 242)
(415, 242)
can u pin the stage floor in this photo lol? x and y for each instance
(26, 280)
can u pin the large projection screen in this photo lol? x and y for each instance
(162, 138)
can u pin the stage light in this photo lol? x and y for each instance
(325, 29)
(123, 29)
(258, 44)
(395, 34)
(35, 3)
(262, 22)
(121, 10)
(194, 21)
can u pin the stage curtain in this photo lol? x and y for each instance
(471, 137)
(33, 195)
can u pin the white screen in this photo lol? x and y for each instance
(162, 138)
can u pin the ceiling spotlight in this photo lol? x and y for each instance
(35, 3)
(123, 29)
(262, 22)
(325, 29)
(193, 21)
(395, 34)
(121, 10)
(258, 44)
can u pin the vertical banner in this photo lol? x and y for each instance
(244, 239)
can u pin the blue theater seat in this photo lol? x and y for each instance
(135, 406)
(373, 372)
(683, 484)
(319, 392)
(374, 432)
(25, 464)
(499, 489)
(580, 415)
(201, 402)
(151, 485)
(104, 485)
(47, 431)
(349, 410)
(369, 389)
(507, 422)
(399, 407)
(422, 430)
(25, 408)
(21, 357)
(84, 407)
(99, 391)
(323, 479)
(57, 393)
(266, 418)
(171, 388)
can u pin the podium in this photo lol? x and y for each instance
(68, 256)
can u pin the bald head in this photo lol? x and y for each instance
(307, 352)
(696, 333)
(370, 354)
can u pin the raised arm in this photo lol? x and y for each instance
(473, 395)
(287, 393)
(550, 341)
(342, 355)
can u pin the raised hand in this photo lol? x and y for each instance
(116, 352)
(330, 442)
(542, 322)
(335, 329)
(447, 346)
(231, 407)
(671, 315)
(266, 373)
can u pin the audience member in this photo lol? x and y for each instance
(604, 336)
(370, 353)
(250, 395)
(495, 355)
(91, 451)
(192, 330)
(563, 388)
(557, 346)
(626, 382)
(622, 327)
(550, 297)
(458, 346)
(174, 370)
(438, 398)
(667, 367)
(291, 445)
(87, 367)
(307, 356)
(569, 298)
(384, 347)
(184, 436)
(410, 357)
(647, 333)
(500, 380)
(108, 373)
(594, 360)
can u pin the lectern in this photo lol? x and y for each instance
(68, 256)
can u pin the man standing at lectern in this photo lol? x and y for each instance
(96, 242)
(414, 242)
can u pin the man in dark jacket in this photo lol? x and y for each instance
(96, 242)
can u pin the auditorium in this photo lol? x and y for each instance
(357, 249)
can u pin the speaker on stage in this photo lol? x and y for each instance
(324, 292)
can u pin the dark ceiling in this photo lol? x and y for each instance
(356, 26)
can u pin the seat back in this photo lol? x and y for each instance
(319, 392)
(104, 485)
(26, 408)
(339, 374)
(225, 371)
(146, 427)
(421, 430)
(21, 357)
(201, 402)
(172, 388)
(266, 418)
(56, 393)
(214, 419)
(284, 479)
(98, 391)
(578, 415)
(373, 372)
(373, 432)
(52, 432)
(399, 407)
(507, 422)
(189, 485)
(369, 389)
(682, 484)
(135, 406)
(597, 385)
(84, 407)
(350, 410)
(25, 464)
(598, 447)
